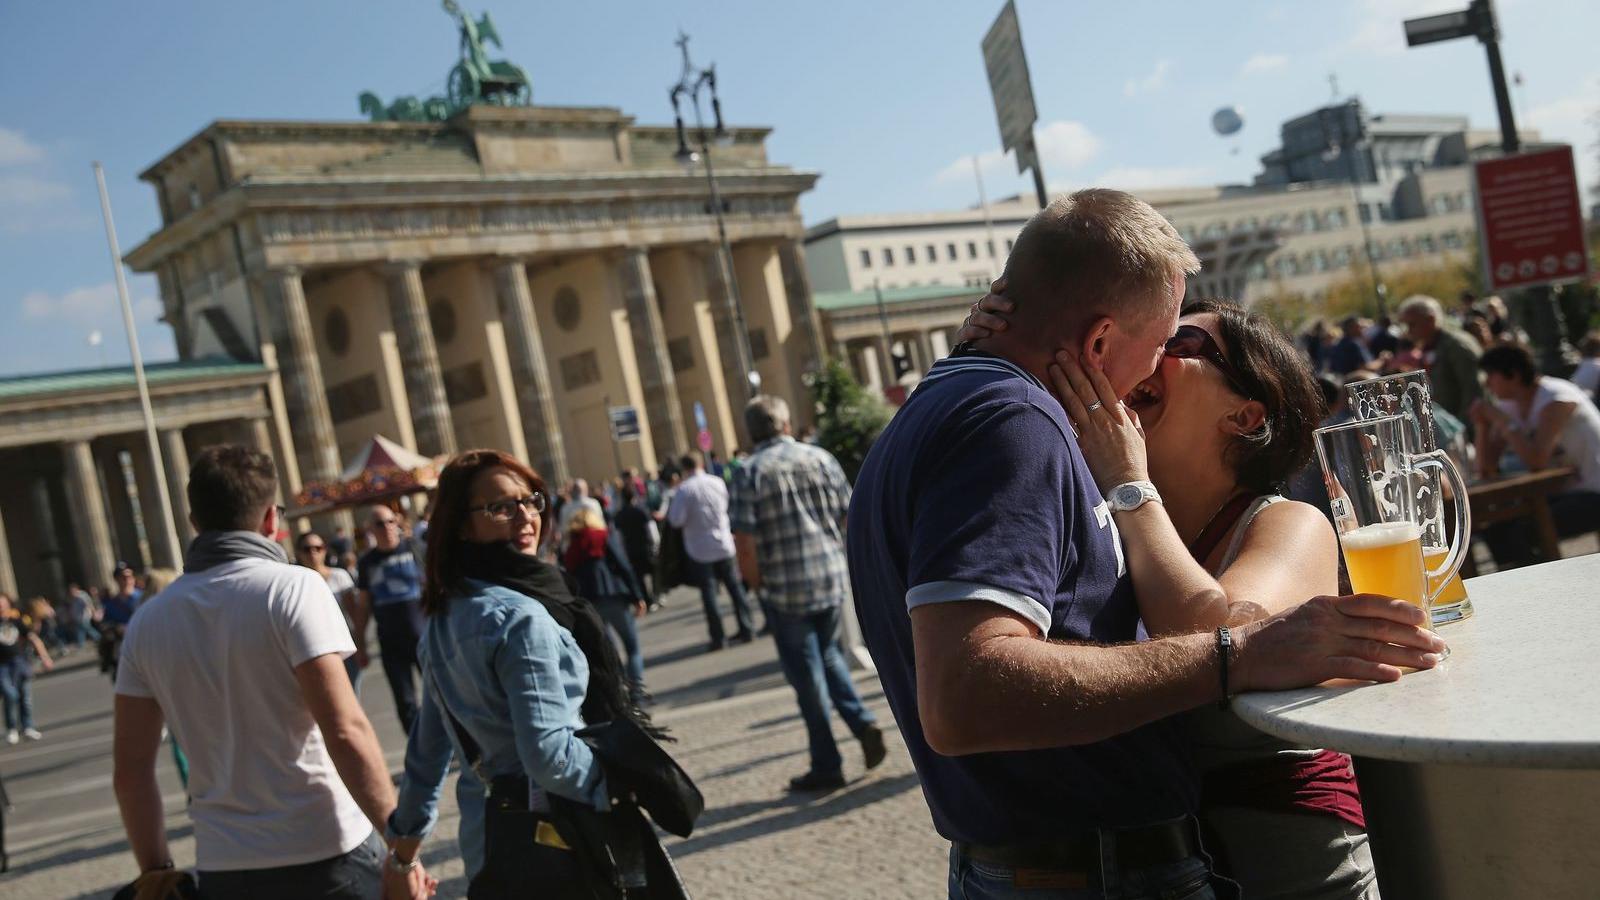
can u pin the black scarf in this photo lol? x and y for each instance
(213, 548)
(607, 697)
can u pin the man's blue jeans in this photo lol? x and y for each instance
(1190, 879)
(706, 575)
(808, 650)
(16, 689)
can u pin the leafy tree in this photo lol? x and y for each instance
(849, 417)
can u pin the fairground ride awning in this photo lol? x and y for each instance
(382, 471)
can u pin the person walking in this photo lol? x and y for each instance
(18, 636)
(312, 551)
(994, 596)
(516, 666)
(389, 583)
(242, 657)
(787, 512)
(599, 564)
(700, 507)
(641, 538)
(78, 613)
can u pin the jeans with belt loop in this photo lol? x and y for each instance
(1186, 879)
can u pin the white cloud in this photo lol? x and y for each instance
(16, 149)
(94, 306)
(1264, 62)
(1575, 119)
(1064, 145)
(30, 204)
(1139, 178)
(1155, 81)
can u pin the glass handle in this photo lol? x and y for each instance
(1437, 459)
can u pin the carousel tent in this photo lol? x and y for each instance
(383, 470)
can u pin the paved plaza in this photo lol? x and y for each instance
(739, 734)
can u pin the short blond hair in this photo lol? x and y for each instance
(1096, 252)
(585, 518)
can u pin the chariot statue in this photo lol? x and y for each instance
(476, 79)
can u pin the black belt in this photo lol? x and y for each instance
(1142, 847)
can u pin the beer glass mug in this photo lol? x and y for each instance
(1371, 475)
(1408, 395)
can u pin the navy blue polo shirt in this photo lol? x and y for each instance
(977, 490)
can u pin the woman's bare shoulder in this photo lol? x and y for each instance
(1289, 523)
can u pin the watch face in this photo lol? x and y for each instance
(1128, 495)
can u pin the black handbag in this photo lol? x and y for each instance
(574, 851)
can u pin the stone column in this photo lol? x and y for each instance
(735, 381)
(8, 575)
(175, 453)
(924, 350)
(650, 352)
(305, 395)
(419, 357)
(541, 425)
(802, 312)
(885, 353)
(88, 514)
(939, 340)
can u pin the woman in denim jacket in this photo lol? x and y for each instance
(519, 663)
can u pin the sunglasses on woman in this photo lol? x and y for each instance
(1194, 342)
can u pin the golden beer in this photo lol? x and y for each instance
(1386, 558)
(1454, 591)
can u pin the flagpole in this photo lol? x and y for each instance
(158, 464)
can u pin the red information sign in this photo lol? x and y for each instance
(1529, 220)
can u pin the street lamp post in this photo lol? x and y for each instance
(1341, 149)
(689, 85)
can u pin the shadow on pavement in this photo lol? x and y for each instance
(118, 844)
(858, 794)
(751, 678)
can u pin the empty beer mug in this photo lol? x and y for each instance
(1410, 396)
(1371, 475)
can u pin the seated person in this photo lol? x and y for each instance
(1546, 422)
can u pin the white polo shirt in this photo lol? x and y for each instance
(217, 650)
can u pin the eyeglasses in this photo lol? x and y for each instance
(385, 523)
(312, 548)
(505, 510)
(1194, 342)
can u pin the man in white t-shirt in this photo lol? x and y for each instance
(242, 657)
(700, 508)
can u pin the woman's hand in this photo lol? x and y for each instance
(986, 317)
(1109, 433)
(639, 609)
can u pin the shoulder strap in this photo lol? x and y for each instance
(1218, 527)
(468, 745)
(1232, 553)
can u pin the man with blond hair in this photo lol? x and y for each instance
(992, 593)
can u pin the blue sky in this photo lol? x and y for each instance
(887, 100)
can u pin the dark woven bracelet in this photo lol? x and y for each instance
(1224, 650)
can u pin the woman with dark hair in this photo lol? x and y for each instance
(1221, 425)
(311, 551)
(1545, 421)
(514, 666)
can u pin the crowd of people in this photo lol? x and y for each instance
(1069, 548)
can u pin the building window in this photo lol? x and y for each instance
(354, 398)
(950, 251)
(194, 196)
(972, 249)
(933, 253)
(336, 331)
(681, 352)
(1426, 244)
(1366, 213)
(1319, 262)
(758, 344)
(1009, 245)
(580, 370)
(1452, 240)
(991, 249)
(911, 255)
(442, 316)
(888, 256)
(1341, 257)
(463, 384)
(1336, 218)
(866, 259)
(568, 311)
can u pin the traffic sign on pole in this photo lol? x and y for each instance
(1530, 222)
(624, 423)
(1012, 88)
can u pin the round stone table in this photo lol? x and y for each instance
(1481, 777)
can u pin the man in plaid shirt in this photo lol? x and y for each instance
(787, 510)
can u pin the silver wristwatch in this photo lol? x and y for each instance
(1131, 495)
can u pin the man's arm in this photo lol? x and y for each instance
(986, 682)
(44, 653)
(352, 743)
(135, 741)
(744, 546)
(360, 614)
